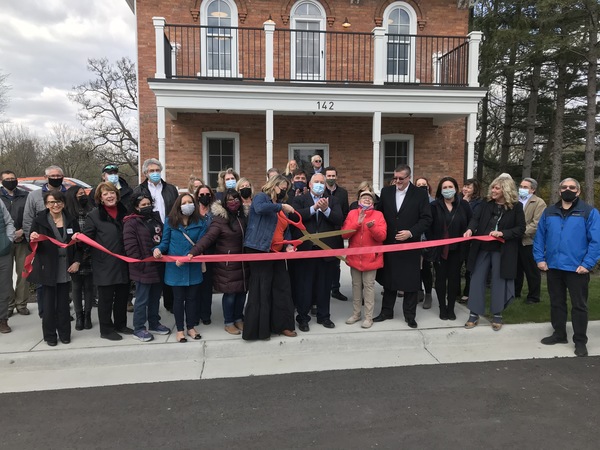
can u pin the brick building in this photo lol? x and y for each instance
(250, 84)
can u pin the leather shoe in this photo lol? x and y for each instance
(554, 339)
(327, 323)
(412, 323)
(51, 343)
(112, 336)
(65, 340)
(339, 296)
(303, 326)
(381, 318)
(125, 330)
(580, 349)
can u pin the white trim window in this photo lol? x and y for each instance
(219, 38)
(308, 41)
(395, 149)
(400, 21)
(303, 152)
(221, 150)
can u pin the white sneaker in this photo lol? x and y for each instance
(353, 319)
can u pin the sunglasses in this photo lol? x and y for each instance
(568, 188)
(400, 178)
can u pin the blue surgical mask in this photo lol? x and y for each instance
(318, 188)
(448, 193)
(154, 177)
(187, 209)
(230, 184)
(523, 193)
(112, 178)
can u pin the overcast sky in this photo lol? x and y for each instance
(44, 47)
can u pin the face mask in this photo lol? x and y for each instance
(330, 181)
(154, 177)
(10, 185)
(204, 200)
(112, 178)
(318, 188)
(568, 196)
(83, 200)
(523, 193)
(426, 188)
(233, 206)
(55, 182)
(299, 185)
(448, 193)
(230, 184)
(146, 211)
(281, 195)
(365, 207)
(246, 192)
(187, 209)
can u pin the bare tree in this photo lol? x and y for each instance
(4, 88)
(21, 151)
(108, 106)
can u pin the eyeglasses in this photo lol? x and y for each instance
(55, 177)
(568, 188)
(318, 160)
(400, 178)
(233, 201)
(54, 202)
(203, 195)
(111, 168)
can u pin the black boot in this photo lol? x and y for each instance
(87, 324)
(443, 312)
(79, 321)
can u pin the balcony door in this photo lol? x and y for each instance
(219, 39)
(308, 41)
(401, 21)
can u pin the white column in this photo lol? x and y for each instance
(269, 138)
(473, 69)
(471, 137)
(376, 150)
(162, 133)
(378, 55)
(269, 31)
(159, 32)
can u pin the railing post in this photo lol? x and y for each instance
(379, 55)
(473, 69)
(269, 32)
(159, 30)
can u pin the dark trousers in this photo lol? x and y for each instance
(185, 303)
(83, 292)
(409, 304)
(527, 268)
(314, 288)
(112, 307)
(269, 307)
(205, 293)
(447, 280)
(426, 276)
(167, 294)
(56, 317)
(335, 275)
(558, 283)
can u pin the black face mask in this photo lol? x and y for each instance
(55, 182)
(426, 188)
(10, 185)
(246, 192)
(204, 200)
(568, 196)
(83, 200)
(299, 185)
(281, 195)
(146, 211)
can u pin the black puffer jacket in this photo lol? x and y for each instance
(228, 277)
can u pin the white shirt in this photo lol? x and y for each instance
(159, 201)
(400, 195)
(525, 200)
(314, 211)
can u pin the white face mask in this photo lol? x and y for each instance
(523, 193)
(448, 193)
(187, 209)
(112, 178)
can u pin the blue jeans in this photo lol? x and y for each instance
(147, 302)
(233, 307)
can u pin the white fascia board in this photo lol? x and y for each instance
(322, 99)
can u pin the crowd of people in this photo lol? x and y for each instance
(297, 210)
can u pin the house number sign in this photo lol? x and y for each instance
(325, 106)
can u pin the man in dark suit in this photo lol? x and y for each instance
(333, 189)
(407, 214)
(313, 282)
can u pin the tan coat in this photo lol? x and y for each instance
(533, 211)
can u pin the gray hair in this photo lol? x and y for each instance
(151, 161)
(531, 181)
(49, 168)
(573, 180)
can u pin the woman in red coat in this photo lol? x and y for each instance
(371, 230)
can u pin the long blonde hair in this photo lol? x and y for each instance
(269, 187)
(508, 188)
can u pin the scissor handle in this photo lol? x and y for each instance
(297, 224)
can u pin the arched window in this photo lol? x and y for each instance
(308, 41)
(219, 38)
(400, 20)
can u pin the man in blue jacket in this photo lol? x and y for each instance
(567, 247)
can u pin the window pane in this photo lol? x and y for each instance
(394, 153)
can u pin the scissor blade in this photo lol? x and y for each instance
(325, 234)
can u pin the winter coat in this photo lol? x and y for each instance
(108, 232)
(363, 236)
(45, 263)
(262, 222)
(462, 215)
(174, 243)
(169, 194)
(228, 277)
(139, 242)
(512, 225)
(15, 204)
(533, 210)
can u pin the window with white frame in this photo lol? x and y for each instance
(396, 149)
(308, 41)
(303, 152)
(219, 38)
(221, 150)
(400, 20)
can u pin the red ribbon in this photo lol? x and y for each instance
(240, 257)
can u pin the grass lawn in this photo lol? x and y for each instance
(519, 312)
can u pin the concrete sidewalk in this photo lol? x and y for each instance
(28, 364)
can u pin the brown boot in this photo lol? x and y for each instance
(4, 328)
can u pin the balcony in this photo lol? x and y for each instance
(197, 52)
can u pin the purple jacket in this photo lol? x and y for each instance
(139, 242)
